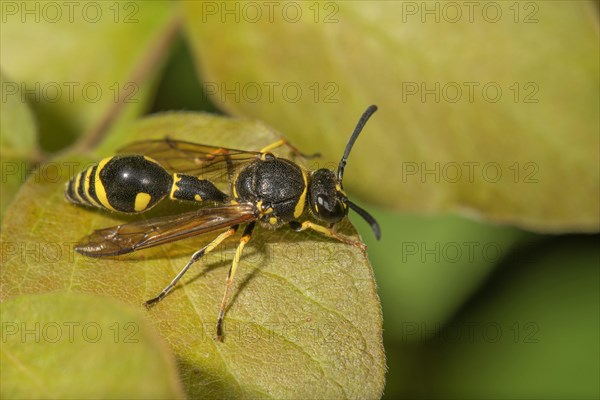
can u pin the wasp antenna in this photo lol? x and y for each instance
(361, 123)
(367, 217)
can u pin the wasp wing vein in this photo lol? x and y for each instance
(126, 238)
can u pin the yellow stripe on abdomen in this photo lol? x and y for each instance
(86, 187)
(99, 186)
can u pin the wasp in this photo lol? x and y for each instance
(263, 188)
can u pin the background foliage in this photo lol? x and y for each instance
(489, 283)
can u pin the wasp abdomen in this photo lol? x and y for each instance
(190, 188)
(128, 184)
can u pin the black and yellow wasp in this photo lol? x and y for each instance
(262, 187)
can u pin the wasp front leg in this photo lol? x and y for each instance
(298, 227)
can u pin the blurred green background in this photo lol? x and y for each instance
(501, 301)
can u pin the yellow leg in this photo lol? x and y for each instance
(298, 227)
(195, 257)
(294, 149)
(236, 260)
(273, 145)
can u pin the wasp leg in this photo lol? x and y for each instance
(298, 227)
(190, 188)
(195, 257)
(294, 149)
(236, 260)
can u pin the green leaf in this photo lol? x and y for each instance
(76, 62)
(18, 144)
(65, 345)
(527, 156)
(303, 320)
(526, 333)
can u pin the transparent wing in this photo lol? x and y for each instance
(134, 236)
(217, 164)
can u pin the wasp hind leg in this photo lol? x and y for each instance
(294, 149)
(298, 227)
(236, 260)
(195, 257)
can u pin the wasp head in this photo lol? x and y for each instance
(327, 199)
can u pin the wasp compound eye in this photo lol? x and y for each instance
(330, 209)
(324, 203)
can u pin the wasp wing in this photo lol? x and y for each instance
(134, 236)
(204, 161)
